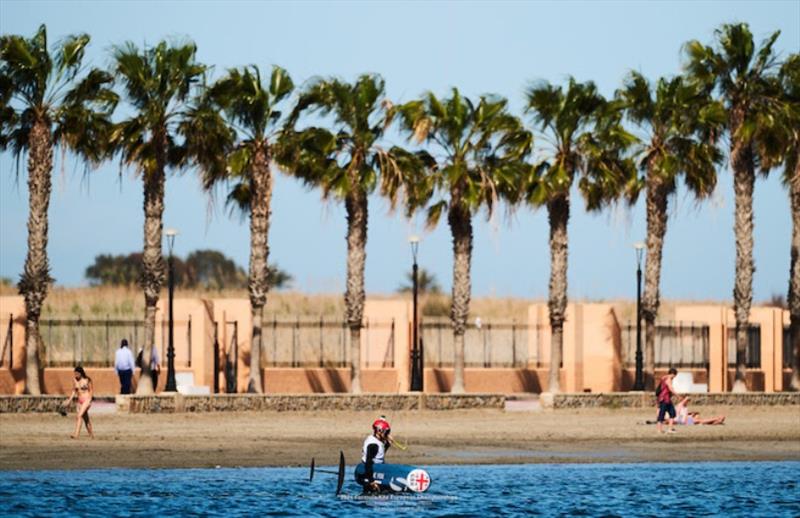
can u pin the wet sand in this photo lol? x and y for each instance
(41, 441)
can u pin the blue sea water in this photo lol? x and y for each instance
(678, 489)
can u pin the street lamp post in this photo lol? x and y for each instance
(638, 383)
(170, 233)
(416, 359)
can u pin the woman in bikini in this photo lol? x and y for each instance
(83, 388)
(690, 418)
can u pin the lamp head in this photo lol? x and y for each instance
(170, 234)
(640, 248)
(414, 241)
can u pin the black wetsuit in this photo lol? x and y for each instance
(372, 451)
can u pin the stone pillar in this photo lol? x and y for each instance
(573, 348)
(599, 368)
(379, 347)
(764, 316)
(717, 357)
(12, 381)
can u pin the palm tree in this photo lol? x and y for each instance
(478, 149)
(741, 73)
(251, 113)
(679, 121)
(348, 166)
(48, 99)
(583, 135)
(780, 142)
(790, 74)
(158, 82)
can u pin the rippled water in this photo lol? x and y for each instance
(730, 488)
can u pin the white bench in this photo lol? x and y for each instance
(186, 386)
(684, 384)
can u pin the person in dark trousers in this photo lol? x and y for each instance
(124, 365)
(665, 406)
(374, 451)
(155, 365)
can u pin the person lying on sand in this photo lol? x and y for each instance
(689, 418)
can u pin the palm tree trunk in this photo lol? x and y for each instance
(558, 214)
(794, 276)
(461, 230)
(36, 276)
(152, 261)
(356, 205)
(743, 179)
(656, 229)
(261, 191)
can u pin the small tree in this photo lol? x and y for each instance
(426, 283)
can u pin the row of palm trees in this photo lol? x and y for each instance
(462, 156)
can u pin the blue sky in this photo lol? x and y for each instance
(479, 47)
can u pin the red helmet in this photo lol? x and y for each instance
(381, 425)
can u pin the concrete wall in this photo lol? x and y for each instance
(720, 320)
(12, 345)
(591, 350)
(479, 380)
(591, 356)
(58, 380)
(322, 380)
(228, 312)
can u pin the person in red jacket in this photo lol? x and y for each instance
(665, 406)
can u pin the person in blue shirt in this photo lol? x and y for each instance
(124, 365)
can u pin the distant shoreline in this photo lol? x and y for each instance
(272, 439)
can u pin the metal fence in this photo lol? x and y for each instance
(491, 344)
(324, 343)
(752, 352)
(93, 343)
(8, 344)
(788, 348)
(677, 344)
(226, 340)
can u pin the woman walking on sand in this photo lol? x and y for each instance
(83, 388)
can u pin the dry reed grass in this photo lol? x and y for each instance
(128, 302)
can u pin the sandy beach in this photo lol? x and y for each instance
(37, 441)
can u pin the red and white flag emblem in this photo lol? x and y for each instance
(418, 481)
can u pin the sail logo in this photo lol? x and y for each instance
(418, 481)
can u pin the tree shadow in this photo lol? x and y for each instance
(529, 380)
(333, 377)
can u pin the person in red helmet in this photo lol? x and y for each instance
(374, 451)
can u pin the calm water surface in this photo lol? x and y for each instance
(679, 489)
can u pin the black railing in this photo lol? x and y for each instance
(232, 359)
(788, 348)
(752, 352)
(677, 344)
(489, 344)
(8, 343)
(93, 343)
(323, 342)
